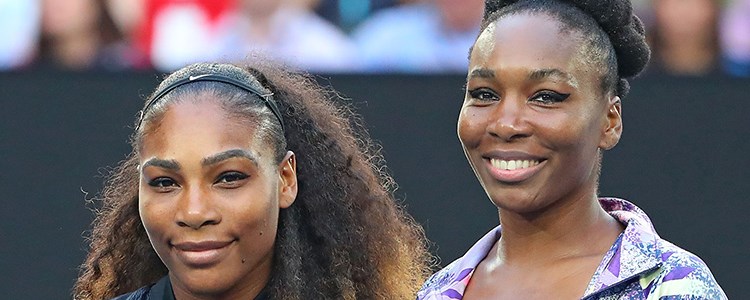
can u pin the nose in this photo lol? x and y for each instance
(196, 210)
(509, 120)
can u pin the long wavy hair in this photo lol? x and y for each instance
(345, 236)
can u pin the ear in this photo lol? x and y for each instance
(612, 124)
(287, 180)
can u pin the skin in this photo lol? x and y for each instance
(687, 32)
(68, 18)
(460, 15)
(690, 20)
(71, 28)
(531, 95)
(206, 177)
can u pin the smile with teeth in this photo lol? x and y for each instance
(513, 164)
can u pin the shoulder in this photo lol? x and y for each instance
(451, 281)
(400, 21)
(444, 281)
(139, 294)
(155, 290)
(681, 274)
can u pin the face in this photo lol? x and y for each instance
(61, 18)
(534, 116)
(209, 197)
(127, 14)
(461, 14)
(686, 19)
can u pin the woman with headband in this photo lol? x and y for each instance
(543, 101)
(250, 183)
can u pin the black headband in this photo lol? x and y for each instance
(217, 78)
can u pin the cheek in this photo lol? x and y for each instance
(568, 130)
(470, 127)
(257, 214)
(152, 215)
(257, 230)
(156, 220)
(578, 145)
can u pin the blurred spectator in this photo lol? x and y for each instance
(346, 14)
(80, 35)
(291, 32)
(173, 33)
(19, 32)
(684, 37)
(433, 36)
(127, 15)
(735, 38)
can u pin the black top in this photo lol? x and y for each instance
(162, 290)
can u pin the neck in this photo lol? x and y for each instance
(248, 287)
(572, 229)
(248, 292)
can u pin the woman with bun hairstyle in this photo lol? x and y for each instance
(543, 101)
(250, 183)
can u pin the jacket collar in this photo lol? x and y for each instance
(634, 252)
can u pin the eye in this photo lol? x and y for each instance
(483, 94)
(549, 97)
(163, 184)
(231, 178)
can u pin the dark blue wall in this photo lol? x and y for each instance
(683, 159)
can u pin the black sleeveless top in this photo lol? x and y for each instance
(162, 290)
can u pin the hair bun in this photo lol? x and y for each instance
(625, 31)
(608, 13)
(631, 48)
(616, 18)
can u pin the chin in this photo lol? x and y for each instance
(520, 204)
(206, 283)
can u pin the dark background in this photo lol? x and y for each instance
(683, 159)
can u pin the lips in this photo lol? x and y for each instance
(201, 254)
(512, 166)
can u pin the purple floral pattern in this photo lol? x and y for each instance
(639, 265)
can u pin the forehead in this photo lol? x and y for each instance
(200, 127)
(526, 40)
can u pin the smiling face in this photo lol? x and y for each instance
(534, 115)
(209, 198)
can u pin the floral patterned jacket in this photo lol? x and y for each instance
(639, 265)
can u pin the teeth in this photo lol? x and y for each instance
(513, 164)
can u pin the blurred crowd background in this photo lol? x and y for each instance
(688, 37)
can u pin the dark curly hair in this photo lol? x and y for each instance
(612, 34)
(345, 237)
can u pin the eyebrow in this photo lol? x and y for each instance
(219, 157)
(538, 75)
(169, 164)
(482, 73)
